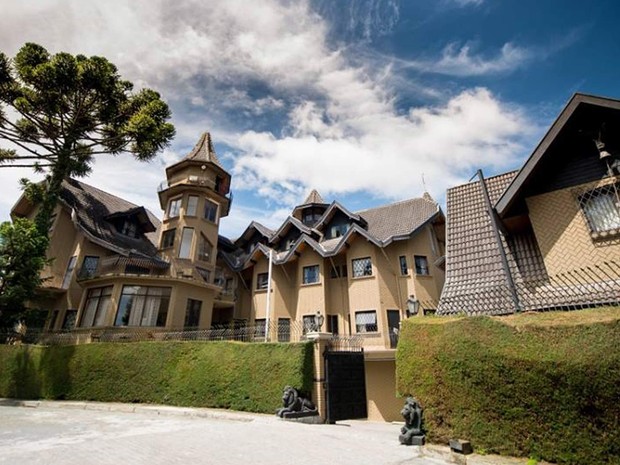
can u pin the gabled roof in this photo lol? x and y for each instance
(91, 207)
(288, 223)
(380, 226)
(331, 210)
(254, 226)
(517, 185)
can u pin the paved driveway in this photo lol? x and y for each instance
(88, 433)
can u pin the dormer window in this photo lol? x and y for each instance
(129, 229)
(338, 230)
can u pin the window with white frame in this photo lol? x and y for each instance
(361, 267)
(174, 207)
(210, 213)
(143, 306)
(192, 205)
(185, 250)
(311, 274)
(601, 207)
(421, 264)
(366, 321)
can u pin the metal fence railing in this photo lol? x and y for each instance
(274, 332)
(585, 287)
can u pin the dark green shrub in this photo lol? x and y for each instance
(231, 375)
(549, 391)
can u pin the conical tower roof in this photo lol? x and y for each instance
(313, 197)
(203, 151)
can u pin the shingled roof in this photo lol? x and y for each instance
(313, 197)
(380, 225)
(91, 207)
(391, 221)
(203, 151)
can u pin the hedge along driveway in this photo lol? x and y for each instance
(550, 391)
(238, 376)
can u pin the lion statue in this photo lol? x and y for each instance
(294, 403)
(412, 413)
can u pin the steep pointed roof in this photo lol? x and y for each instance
(203, 151)
(313, 197)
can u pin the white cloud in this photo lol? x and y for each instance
(341, 131)
(461, 61)
(383, 153)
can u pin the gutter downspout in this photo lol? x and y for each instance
(500, 245)
(268, 304)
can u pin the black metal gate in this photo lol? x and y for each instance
(345, 385)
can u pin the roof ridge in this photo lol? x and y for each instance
(134, 205)
(490, 178)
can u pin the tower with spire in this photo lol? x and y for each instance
(195, 196)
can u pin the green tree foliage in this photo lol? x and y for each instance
(22, 252)
(58, 112)
(67, 109)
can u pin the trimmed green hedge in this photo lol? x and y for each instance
(231, 375)
(545, 391)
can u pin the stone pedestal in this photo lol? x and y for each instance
(318, 394)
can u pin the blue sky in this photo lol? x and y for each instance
(367, 101)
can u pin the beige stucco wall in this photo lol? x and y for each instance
(562, 232)
(311, 297)
(382, 403)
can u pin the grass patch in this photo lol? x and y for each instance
(237, 376)
(532, 385)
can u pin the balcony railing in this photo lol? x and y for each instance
(124, 265)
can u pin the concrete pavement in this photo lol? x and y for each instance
(68, 433)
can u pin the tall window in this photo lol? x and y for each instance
(210, 211)
(143, 306)
(332, 324)
(259, 328)
(185, 251)
(361, 267)
(192, 205)
(69, 272)
(174, 207)
(311, 274)
(421, 264)
(262, 280)
(602, 208)
(205, 249)
(167, 238)
(403, 265)
(366, 321)
(192, 313)
(284, 329)
(96, 307)
(89, 266)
